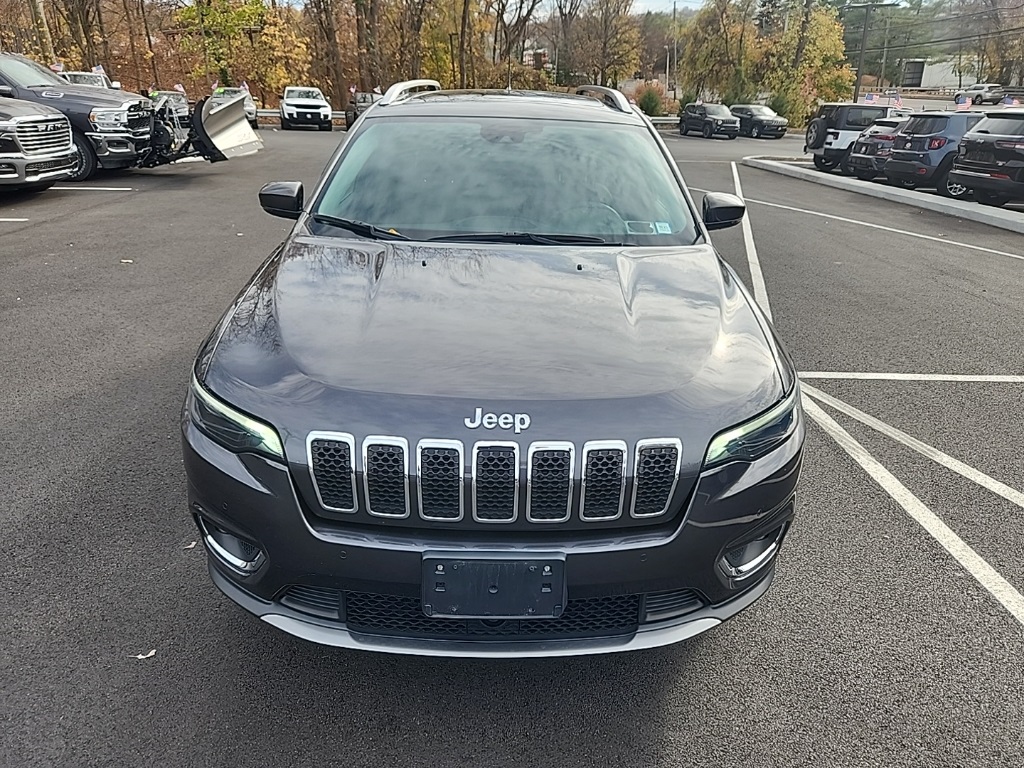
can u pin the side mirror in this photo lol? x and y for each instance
(282, 198)
(116, 85)
(721, 210)
(6, 90)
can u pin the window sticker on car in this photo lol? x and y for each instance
(664, 228)
(640, 228)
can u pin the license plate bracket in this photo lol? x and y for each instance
(493, 587)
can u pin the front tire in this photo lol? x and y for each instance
(706, 131)
(285, 125)
(86, 156)
(990, 198)
(755, 131)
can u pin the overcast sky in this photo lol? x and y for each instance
(642, 6)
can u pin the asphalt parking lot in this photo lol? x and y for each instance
(893, 636)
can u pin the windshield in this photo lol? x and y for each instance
(23, 73)
(227, 94)
(763, 111)
(84, 78)
(434, 177)
(925, 126)
(303, 93)
(718, 110)
(1001, 126)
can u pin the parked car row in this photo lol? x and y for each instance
(710, 120)
(960, 154)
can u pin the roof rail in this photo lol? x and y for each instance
(613, 98)
(404, 90)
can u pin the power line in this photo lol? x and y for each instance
(961, 17)
(925, 44)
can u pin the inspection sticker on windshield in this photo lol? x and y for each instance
(663, 227)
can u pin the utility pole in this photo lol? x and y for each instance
(675, 51)
(885, 51)
(868, 8)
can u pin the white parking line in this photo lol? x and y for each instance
(894, 230)
(11, 221)
(1012, 495)
(756, 276)
(77, 188)
(972, 562)
(951, 377)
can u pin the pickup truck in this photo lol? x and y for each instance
(110, 129)
(118, 129)
(36, 150)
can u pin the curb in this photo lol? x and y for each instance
(1012, 221)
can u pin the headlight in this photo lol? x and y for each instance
(7, 143)
(232, 429)
(718, 123)
(759, 436)
(108, 119)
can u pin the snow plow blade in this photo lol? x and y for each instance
(222, 131)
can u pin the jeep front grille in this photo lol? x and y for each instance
(488, 483)
(43, 135)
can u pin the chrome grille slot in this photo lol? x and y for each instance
(332, 466)
(656, 470)
(549, 482)
(43, 135)
(439, 468)
(604, 480)
(386, 476)
(495, 482)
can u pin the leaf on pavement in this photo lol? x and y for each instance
(149, 655)
(127, 261)
(191, 546)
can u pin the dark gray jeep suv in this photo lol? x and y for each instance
(496, 394)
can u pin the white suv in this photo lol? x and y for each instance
(305, 105)
(980, 93)
(831, 134)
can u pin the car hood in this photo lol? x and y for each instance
(389, 338)
(17, 108)
(85, 96)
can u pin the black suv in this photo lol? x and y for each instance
(709, 120)
(454, 417)
(758, 120)
(991, 159)
(923, 153)
(831, 134)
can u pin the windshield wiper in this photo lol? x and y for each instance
(359, 227)
(525, 238)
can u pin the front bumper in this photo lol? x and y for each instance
(987, 183)
(725, 130)
(20, 169)
(256, 501)
(307, 118)
(119, 149)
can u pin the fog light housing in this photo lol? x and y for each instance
(241, 556)
(742, 561)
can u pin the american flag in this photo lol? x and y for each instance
(962, 103)
(898, 102)
(98, 69)
(57, 66)
(179, 87)
(1010, 101)
(869, 98)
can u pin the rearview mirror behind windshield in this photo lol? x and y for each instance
(722, 210)
(282, 198)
